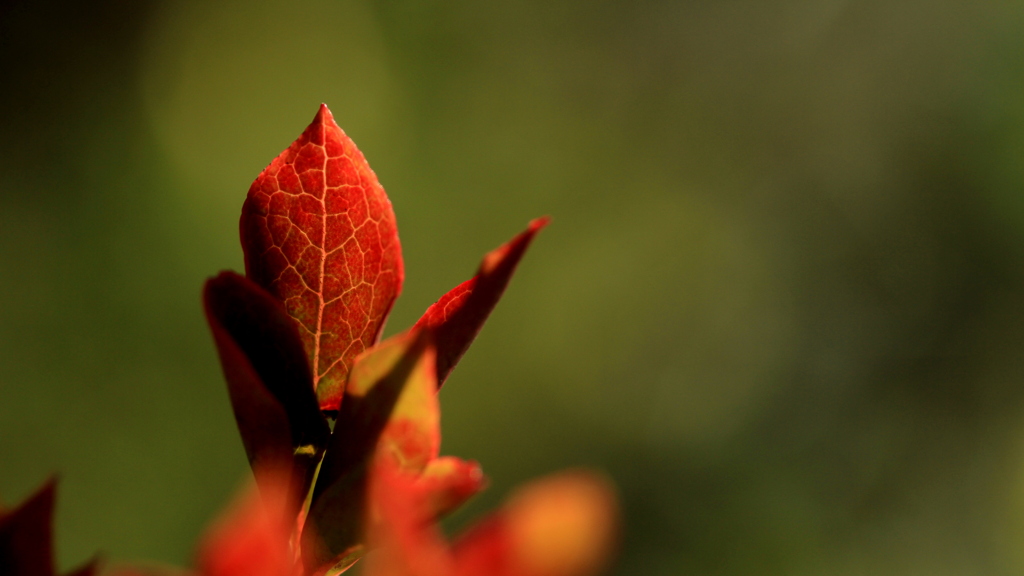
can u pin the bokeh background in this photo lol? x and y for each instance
(781, 302)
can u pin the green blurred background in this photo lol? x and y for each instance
(780, 302)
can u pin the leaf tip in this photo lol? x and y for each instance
(324, 115)
(510, 252)
(539, 223)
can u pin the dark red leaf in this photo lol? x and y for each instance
(269, 380)
(26, 536)
(459, 315)
(319, 234)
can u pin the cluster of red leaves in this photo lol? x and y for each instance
(298, 338)
(342, 430)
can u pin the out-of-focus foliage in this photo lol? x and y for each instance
(781, 301)
(26, 537)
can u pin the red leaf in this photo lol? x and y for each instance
(405, 538)
(269, 381)
(459, 315)
(26, 536)
(319, 233)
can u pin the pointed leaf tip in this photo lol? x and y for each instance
(319, 233)
(459, 315)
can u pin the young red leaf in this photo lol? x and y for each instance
(459, 315)
(319, 234)
(269, 380)
(390, 405)
(26, 537)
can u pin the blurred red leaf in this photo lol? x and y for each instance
(562, 525)
(319, 234)
(405, 538)
(253, 537)
(26, 537)
(448, 482)
(459, 315)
